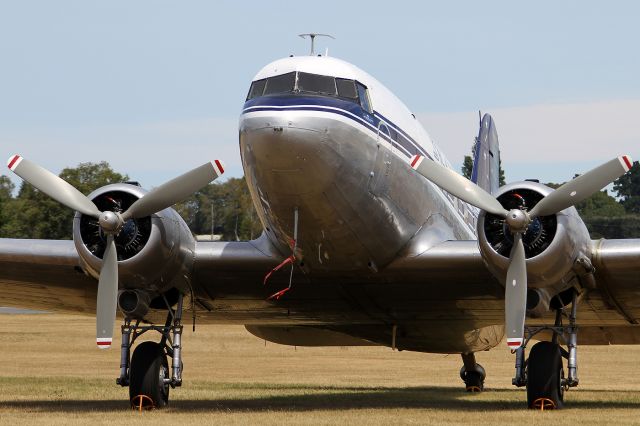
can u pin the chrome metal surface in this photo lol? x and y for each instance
(164, 261)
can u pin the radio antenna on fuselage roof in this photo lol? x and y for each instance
(312, 36)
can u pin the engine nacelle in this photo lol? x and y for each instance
(155, 253)
(552, 243)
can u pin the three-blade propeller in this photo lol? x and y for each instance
(111, 223)
(518, 221)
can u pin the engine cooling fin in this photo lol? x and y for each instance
(538, 235)
(131, 239)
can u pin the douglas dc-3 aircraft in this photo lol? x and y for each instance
(370, 238)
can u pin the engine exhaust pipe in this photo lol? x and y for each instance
(134, 303)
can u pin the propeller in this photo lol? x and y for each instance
(518, 221)
(111, 222)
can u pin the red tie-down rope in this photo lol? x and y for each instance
(287, 261)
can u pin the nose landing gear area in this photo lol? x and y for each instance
(472, 373)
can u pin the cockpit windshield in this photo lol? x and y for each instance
(313, 83)
(302, 83)
(280, 84)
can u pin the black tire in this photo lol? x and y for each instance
(544, 375)
(148, 369)
(473, 380)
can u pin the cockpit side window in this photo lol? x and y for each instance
(257, 88)
(363, 96)
(347, 89)
(280, 84)
(314, 83)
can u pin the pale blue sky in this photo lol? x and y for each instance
(155, 87)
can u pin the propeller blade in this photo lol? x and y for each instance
(457, 185)
(52, 185)
(174, 191)
(515, 298)
(107, 295)
(582, 187)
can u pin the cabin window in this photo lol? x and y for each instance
(280, 84)
(257, 88)
(314, 83)
(347, 88)
(363, 96)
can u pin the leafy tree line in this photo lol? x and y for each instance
(32, 214)
(224, 207)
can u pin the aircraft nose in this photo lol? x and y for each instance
(293, 158)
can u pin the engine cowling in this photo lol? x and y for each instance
(552, 243)
(155, 253)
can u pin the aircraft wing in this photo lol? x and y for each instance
(609, 313)
(227, 277)
(47, 275)
(44, 275)
(612, 310)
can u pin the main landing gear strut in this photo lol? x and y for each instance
(147, 373)
(543, 373)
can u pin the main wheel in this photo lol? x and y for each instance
(544, 376)
(149, 369)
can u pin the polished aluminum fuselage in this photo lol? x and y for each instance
(358, 203)
(360, 208)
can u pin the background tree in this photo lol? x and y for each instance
(33, 214)
(628, 189)
(605, 217)
(600, 204)
(467, 167)
(226, 206)
(6, 197)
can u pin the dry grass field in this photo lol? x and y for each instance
(52, 374)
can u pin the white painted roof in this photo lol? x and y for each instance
(323, 65)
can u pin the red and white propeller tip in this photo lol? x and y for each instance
(626, 162)
(218, 167)
(416, 160)
(13, 162)
(514, 342)
(104, 342)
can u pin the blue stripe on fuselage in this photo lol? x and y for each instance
(402, 141)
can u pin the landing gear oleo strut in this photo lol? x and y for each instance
(147, 373)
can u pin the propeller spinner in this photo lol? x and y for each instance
(518, 220)
(111, 222)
